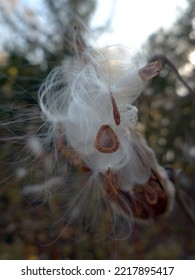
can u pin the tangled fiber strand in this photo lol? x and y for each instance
(88, 106)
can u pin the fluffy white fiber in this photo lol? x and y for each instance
(88, 104)
(82, 104)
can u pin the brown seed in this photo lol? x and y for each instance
(150, 194)
(116, 113)
(106, 140)
(152, 197)
(111, 184)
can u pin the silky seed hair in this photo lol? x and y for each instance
(84, 104)
(88, 105)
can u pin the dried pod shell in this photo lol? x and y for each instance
(151, 70)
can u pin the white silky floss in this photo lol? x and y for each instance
(83, 104)
(89, 98)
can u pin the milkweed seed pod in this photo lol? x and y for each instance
(88, 104)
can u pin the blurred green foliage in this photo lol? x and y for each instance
(29, 228)
(167, 108)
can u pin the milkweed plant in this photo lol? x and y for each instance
(90, 117)
(96, 161)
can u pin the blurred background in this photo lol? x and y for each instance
(36, 37)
